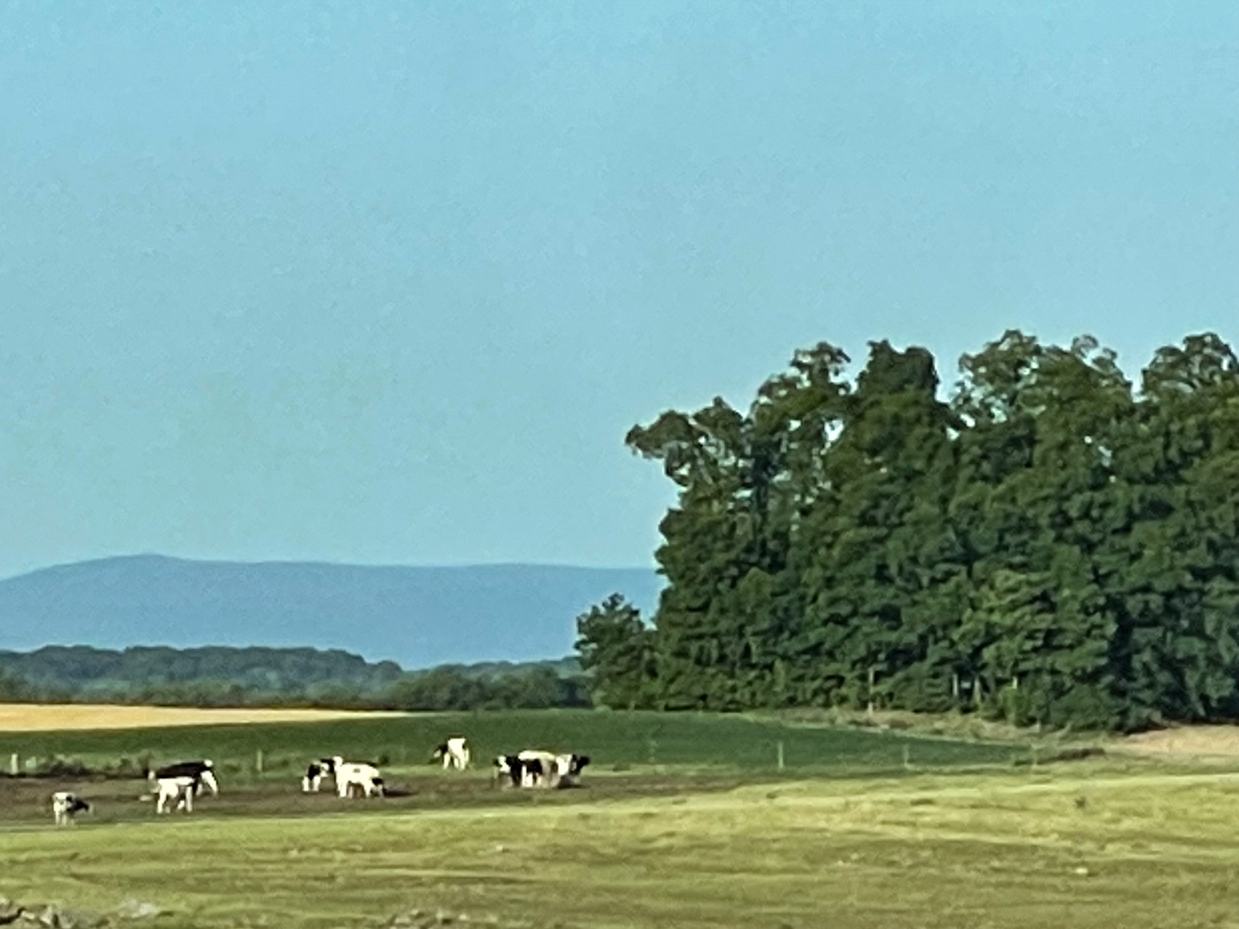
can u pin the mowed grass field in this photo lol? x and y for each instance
(707, 834)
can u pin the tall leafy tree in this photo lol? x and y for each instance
(616, 651)
(1049, 545)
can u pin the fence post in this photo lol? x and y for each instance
(14, 765)
(780, 754)
(258, 761)
(906, 763)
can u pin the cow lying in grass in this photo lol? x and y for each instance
(532, 768)
(181, 782)
(568, 769)
(350, 774)
(314, 774)
(454, 753)
(65, 807)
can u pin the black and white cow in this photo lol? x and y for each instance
(65, 807)
(534, 768)
(568, 769)
(541, 768)
(181, 782)
(314, 774)
(513, 768)
(454, 753)
(350, 774)
(203, 773)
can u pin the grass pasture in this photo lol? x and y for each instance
(618, 743)
(684, 821)
(1077, 846)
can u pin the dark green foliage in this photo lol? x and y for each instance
(616, 653)
(1051, 545)
(279, 676)
(452, 687)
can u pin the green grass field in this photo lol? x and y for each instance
(709, 835)
(614, 740)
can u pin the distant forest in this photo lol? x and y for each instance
(1050, 542)
(222, 676)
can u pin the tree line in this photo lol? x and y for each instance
(1048, 541)
(260, 676)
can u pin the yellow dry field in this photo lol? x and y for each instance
(1186, 742)
(30, 717)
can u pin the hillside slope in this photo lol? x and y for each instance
(417, 616)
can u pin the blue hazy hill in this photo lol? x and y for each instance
(417, 616)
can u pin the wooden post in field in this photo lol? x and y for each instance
(907, 765)
(14, 765)
(872, 674)
(258, 761)
(780, 752)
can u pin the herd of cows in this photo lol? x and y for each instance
(175, 786)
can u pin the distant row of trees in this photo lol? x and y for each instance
(1051, 542)
(222, 676)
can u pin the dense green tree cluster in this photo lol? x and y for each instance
(257, 676)
(1050, 542)
(521, 687)
(211, 675)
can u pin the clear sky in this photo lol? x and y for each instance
(388, 282)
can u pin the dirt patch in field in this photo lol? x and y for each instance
(1186, 742)
(21, 717)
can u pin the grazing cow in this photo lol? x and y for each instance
(203, 772)
(314, 774)
(181, 782)
(350, 774)
(65, 807)
(541, 769)
(454, 753)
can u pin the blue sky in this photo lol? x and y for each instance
(388, 282)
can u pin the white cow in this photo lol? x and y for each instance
(65, 807)
(454, 752)
(179, 789)
(350, 774)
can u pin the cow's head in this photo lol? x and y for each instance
(208, 778)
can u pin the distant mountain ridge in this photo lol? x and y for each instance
(416, 616)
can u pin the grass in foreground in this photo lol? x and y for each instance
(1079, 846)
